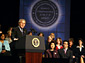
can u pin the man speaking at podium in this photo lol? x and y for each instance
(17, 33)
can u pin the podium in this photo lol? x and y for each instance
(33, 46)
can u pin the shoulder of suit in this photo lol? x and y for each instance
(70, 50)
(25, 29)
(15, 28)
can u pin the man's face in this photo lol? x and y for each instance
(65, 44)
(22, 24)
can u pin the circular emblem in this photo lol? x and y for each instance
(35, 42)
(45, 13)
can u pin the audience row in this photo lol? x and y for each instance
(54, 48)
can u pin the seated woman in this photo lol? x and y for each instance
(59, 43)
(4, 46)
(51, 53)
(8, 36)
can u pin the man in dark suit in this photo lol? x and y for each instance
(65, 53)
(18, 33)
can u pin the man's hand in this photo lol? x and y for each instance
(73, 56)
(15, 39)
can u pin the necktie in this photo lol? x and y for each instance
(65, 51)
(21, 30)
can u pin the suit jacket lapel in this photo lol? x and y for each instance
(20, 31)
(67, 51)
(24, 31)
(63, 51)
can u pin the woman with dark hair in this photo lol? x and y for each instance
(41, 34)
(59, 43)
(30, 33)
(51, 52)
(72, 47)
(4, 46)
(80, 50)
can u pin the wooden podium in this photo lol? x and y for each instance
(33, 57)
(34, 46)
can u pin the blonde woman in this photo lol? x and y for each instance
(52, 36)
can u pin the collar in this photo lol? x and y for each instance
(20, 29)
(79, 47)
(66, 49)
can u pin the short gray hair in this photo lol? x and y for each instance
(21, 20)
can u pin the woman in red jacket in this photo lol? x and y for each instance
(59, 43)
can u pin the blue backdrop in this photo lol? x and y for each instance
(50, 16)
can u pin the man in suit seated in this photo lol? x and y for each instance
(65, 53)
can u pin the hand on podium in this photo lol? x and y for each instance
(73, 56)
(16, 39)
(0, 32)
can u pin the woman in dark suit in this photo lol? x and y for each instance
(51, 52)
(80, 50)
